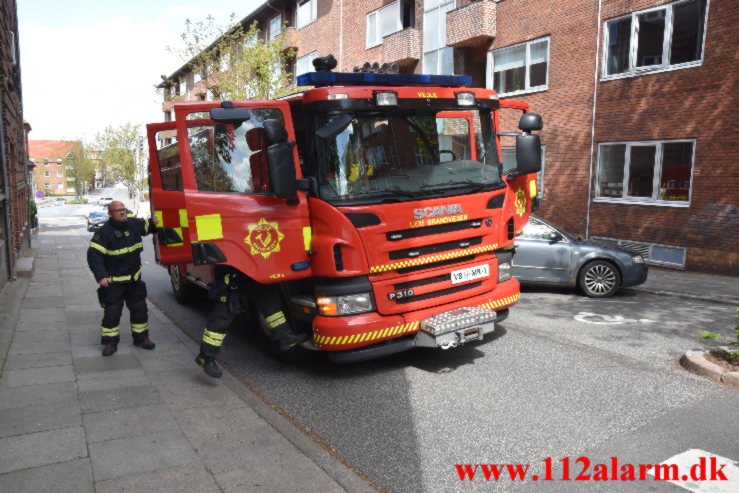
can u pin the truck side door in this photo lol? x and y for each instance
(167, 195)
(233, 216)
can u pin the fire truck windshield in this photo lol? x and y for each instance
(406, 156)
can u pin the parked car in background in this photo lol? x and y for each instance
(60, 200)
(104, 201)
(548, 255)
(95, 220)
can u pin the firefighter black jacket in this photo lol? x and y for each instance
(115, 250)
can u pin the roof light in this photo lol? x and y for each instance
(361, 78)
(338, 96)
(465, 99)
(386, 98)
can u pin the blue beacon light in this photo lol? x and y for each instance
(380, 79)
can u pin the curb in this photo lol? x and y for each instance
(694, 362)
(694, 297)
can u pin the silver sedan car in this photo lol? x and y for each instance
(548, 255)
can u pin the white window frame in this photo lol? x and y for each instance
(182, 87)
(60, 174)
(310, 56)
(377, 15)
(275, 28)
(665, 66)
(47, 186)
(47, 174)
(312, 8)
(540, 174)
(196, 77)
(428, 7)
(60, 186)
(527, 62)
(654, 200)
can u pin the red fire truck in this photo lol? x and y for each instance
(377, 203)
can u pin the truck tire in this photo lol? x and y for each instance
(184, 292)
(599, 279)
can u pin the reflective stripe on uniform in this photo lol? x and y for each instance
(276, 319)
(138, 328)
(120, 251)
(99, 248)
(136, 277)
(146, 227)
(105, 332)
(213, 338)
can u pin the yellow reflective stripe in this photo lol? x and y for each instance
(145, 325)
(146, 227)
(120, 278)
(109, 332)
(532, 188)
(277, 322)
(183, 218)
(130, 249)
(214, 335)
(98, 247)
(274, 316)
(212, 342)
(209, 227)
(307, 236)
(160, 218)
(137, 275)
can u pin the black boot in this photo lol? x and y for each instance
(109, 349)
(145, 343)
(209, 365)
(291, 339)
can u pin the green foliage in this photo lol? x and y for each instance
(118, 149)
(710, 335)
(80, 168)
(239, 64)
(32, 206)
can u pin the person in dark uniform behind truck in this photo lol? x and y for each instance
(114, 257)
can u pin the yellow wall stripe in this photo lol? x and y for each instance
(183, 218)
(307, 237)
(209, 227)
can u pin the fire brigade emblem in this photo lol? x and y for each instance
(520, 202)
(264, 238)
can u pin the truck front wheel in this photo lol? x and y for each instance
(184, 292)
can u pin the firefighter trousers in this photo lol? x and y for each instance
(112, 298)
(226, 306)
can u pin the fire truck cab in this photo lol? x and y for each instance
(376, 202)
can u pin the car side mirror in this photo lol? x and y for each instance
(528, 146)
(280, 162)
(555, 237)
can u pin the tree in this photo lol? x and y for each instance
(80, 168)
(119, 151)
(239, 64)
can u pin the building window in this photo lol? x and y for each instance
(60, 186)
(656, 172)
(383, 22)
(521, 68)
(509, 164)
(438, 58)
(666, 37)
(182, 88)
(47, 174)
(47, 186)
(306, 13)
(304, 64)
(46, 161)
(275, 28)
(196, 77)
(60, 174)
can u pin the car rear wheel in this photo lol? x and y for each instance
(599, 279)
(184, 292)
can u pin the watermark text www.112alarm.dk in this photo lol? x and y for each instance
(582, 469)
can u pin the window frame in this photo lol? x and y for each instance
(313, 13)
(271, 32)
(378, 23)
(665, 66)
(657, 175)
(527, 64)
(438, 50)
(313, 53)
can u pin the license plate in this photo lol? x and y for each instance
(470, 273)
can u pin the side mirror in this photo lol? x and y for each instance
(280, 160)
(229, 115)
(554, 237)
(528, 146)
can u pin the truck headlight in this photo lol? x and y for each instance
(504, 271)
(638, 259)
(348, 304)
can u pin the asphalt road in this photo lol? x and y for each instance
(564, 376)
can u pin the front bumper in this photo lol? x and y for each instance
(634, 275)
(346, 333)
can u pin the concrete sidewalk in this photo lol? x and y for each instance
(72, 420)
(692, 285)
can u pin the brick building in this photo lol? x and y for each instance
(50, 173)
(14, 165)
(636, 97)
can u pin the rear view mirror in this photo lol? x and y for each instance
(528, 146)
(334, 126)
(232, 116)
(530, 122)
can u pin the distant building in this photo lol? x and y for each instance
(15, 237)
(50, 174)
(637, 97)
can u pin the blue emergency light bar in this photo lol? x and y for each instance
(374, 79)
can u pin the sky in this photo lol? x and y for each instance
(87, 64)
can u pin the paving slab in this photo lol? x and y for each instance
(95, 349)
(214, 422)
(129, 422)
(37, 376)
(99, 363)
(20, 361)
(34, 418)
(42, 448)
(54, 334)
(133, 456)
(45, 302)
(31, 347)
(192, 388)
(42, 290)
(193, 478)
(40, 395)
(119, 398)
(71, 476)
(167, 361)
(103, 380)
(261, 471)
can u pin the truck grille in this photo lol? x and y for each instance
(433, 230)
(441, 292)
(436, 248)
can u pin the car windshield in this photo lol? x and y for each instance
(98, 215)
(405, 156)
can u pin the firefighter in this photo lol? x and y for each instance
(114, 257)
(227, 304)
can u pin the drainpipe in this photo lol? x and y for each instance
(6, 192)
(592, 126)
